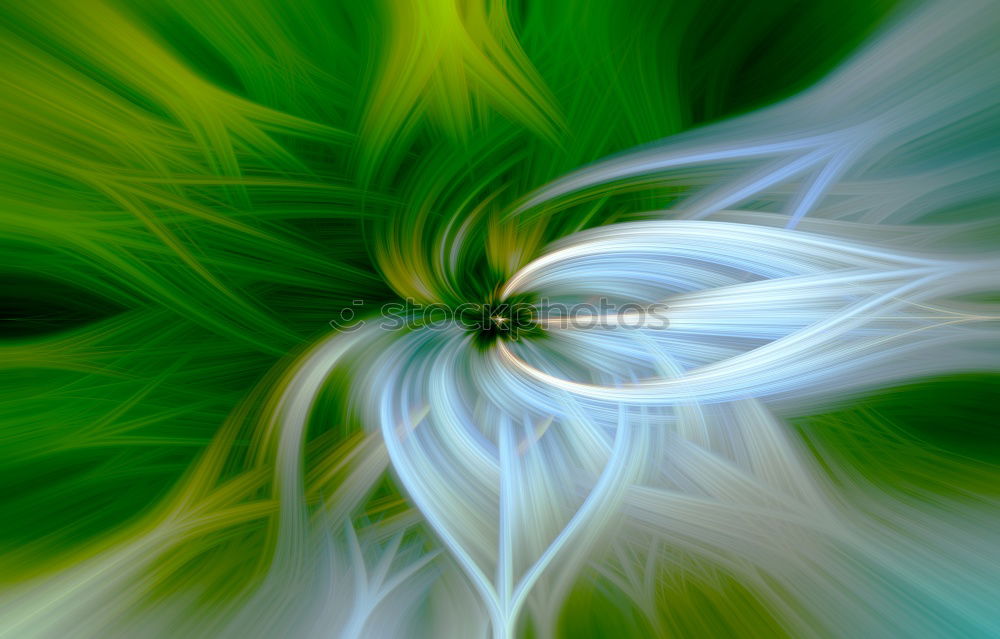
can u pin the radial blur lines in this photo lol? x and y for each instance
(483, 319)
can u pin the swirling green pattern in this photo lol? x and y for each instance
(207, 429)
